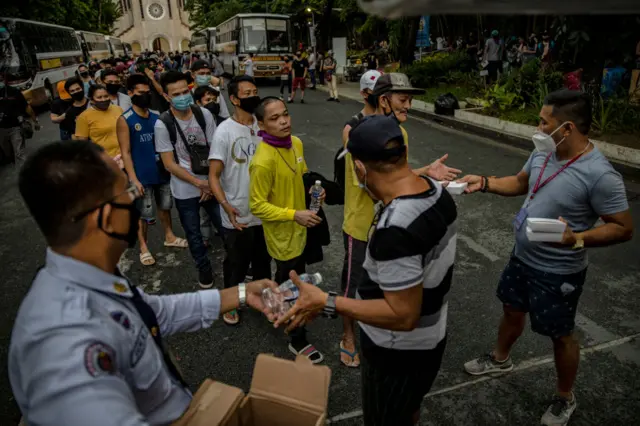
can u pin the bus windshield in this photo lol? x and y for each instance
(262, 35)
(277, 35)
(254, 35)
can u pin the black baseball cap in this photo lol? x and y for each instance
(368, 139)
(200, 64)
(395, 82)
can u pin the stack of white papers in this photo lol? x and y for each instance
(455, 188)
(545, 230)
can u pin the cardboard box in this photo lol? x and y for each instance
(283, 393)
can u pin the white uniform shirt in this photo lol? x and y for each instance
(81, 354)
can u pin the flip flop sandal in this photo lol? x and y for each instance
(354, 363)
(147, 259)
(310, 352)
(178, 242)
(231, 317)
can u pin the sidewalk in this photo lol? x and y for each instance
(491, 127)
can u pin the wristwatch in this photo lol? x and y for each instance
(329, 310)
(242, 295)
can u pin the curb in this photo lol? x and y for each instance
(625, 160)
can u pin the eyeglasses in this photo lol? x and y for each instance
(131, 190)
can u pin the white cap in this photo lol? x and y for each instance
(369, 79)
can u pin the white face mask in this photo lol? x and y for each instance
(363, 186)
(544, 142)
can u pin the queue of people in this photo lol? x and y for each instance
(247, 171)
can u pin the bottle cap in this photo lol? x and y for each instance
(318, 182)
(318, 278)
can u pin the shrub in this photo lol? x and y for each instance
(435, 68)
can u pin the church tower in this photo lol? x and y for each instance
(154, 25)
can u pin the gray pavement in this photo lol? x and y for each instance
(609, 320)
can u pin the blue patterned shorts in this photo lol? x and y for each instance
(550, 299)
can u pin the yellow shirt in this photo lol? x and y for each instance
(276, 191)
(100, 127)
(358, 205)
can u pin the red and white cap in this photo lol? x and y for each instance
(369, 79)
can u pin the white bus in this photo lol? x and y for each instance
(116, 47)
(266, 35)
(94, 45)
(37, 56)
(204, 41)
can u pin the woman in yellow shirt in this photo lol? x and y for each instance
(98, 123)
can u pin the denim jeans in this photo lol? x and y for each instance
(189, 213)
(312, 74)
(65, 135)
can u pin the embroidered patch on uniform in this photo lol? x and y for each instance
(99, 359)
(299, 160)
(139, 346)
(119, 287)
(121, 318)
(137, 126)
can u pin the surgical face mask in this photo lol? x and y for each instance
(544, 142)
(203, 80)
(363, 185)
(182, 102)
(131, 237)
(250, 104)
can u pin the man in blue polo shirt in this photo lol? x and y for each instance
(143, 165)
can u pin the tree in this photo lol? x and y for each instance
(209, 13)
(89, 15)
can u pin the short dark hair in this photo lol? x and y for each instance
(571, 105)
(199, 93)
(61, 180)
(106, 73)
(134, 79)
(198, 65)
(234, 84)
(260, 110)
(171, 77)
(71, 81)
(93, 89)
(106, 61)
(83, 65)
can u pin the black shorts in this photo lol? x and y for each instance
(393, 391)
(550, 299)
(353, 273)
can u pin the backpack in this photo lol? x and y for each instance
(198, 154)
(339, 164)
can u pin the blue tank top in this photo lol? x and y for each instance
(143, 148)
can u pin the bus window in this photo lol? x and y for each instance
(254, 35)
(277, 36)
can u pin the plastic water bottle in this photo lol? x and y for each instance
(316, 203)
(280, 303)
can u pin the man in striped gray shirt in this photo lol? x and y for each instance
(402, 306)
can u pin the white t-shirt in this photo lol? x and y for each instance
(194, 134)
(123, 101)
(248, 67)
(234, 145)
(312, 61)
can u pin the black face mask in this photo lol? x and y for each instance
(113, 88)
(250, 104)
(78, 96)
(142, 101)
(84, 74)
(101, 105)
(131, 237)
(213, 107)
(372, 100)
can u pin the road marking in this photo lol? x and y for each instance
(523, 366)
(594, 333)
(478, 248)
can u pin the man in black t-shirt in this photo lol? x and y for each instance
(65, 111)
(14, 109)
(372, 59)
(300, 67)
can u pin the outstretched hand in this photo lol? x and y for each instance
(440, 171)
(311, 301)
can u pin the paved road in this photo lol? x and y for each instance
(609, 317)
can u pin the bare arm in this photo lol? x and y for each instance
(57, 119)
(618, 228)
(215, 170)
(172, 167)
(398, 311)
(122, 130)
(509, 186)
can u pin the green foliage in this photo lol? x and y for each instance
(209, 13)
(89, 15)
(501, 98)
(437, 68)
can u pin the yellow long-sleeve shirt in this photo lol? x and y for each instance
(276, 191)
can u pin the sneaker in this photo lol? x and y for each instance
(487, 364)
(559, 412)
(337, 100)
(330, 100)
(205, 279)
(301, 101)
